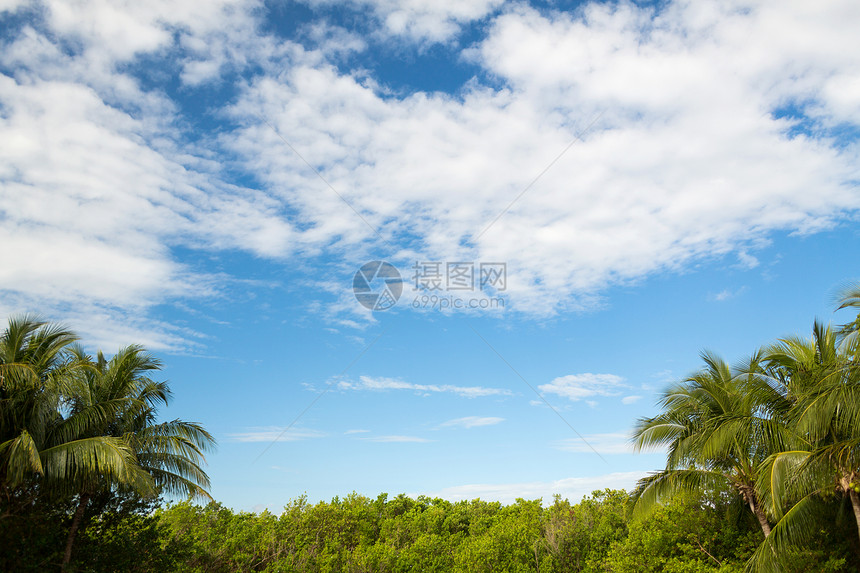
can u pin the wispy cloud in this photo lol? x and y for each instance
(96, 159)
(747, 261)
(630, 399)
(601, 216)
(350, 432)
(570, 488)
(581, 386)
(471, 422)
(396, 439)
(384, 384)
(274, 433)
(97, 164)
(727, 294)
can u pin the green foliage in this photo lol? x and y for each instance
(579, 537)
(121, 534)
(762, 474)
(79, 439)
(780, 434)
(507, 542)
(717, 438)
(357, 534)
(687, 534)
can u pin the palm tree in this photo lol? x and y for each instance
(116, 398)
(716, 437)
(823, 388)
(849, 297)
(72, 427)
(31, 357)
(35, 375)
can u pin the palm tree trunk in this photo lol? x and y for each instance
(762, 518)
(748, 494)
(855, 504)
(73, 530)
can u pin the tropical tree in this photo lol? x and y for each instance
(117, 399)
(31, 355)
(716, 436)
(849, 334)
(73, 427)
(822, 385)
(36, 373)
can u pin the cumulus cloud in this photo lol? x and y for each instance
(688, 158)
(98, 184)
(580, 386)
(671, 134)
(204, 38)
(422, 21)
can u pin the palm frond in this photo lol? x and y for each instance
(104, 457)
(794, 529)
(20, 456)
(659, 487)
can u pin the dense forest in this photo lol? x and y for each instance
(762, 474)
(359, 534)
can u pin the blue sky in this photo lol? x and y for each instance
(658, 179)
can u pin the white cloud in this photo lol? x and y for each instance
(723, 295)
(97, 184)
(747, 261)
(630, 399)
(689, 157)
(581, 386)
(274, 434)
(334, 41)
(382, 384)
(686, 160)
(397, 439)
(569, 488)
(424, 21)
(211, 36)
(471, 422)
(11, 5)
(727, 294)
(349, 432)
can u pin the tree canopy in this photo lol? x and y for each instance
(781, 431)
(762, 474)
(74, 428)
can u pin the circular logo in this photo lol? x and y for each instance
(377, 285)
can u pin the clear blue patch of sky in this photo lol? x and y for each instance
(803, 123)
